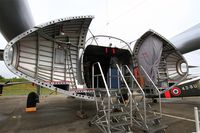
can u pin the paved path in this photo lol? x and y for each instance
(57, 114)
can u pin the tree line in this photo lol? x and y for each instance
(15, 79)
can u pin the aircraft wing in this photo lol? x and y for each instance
(189, 80)
(188, 40)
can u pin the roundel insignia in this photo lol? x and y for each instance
(176, 91)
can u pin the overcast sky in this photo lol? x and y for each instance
(126, 19)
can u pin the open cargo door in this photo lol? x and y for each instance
(48, 54)
(162, 62)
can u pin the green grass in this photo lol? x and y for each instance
(24, 89)
(2, 79)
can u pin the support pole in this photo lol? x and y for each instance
(38, 89)
(196, 115)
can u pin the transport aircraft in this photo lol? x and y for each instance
(117, 75)
(54, 55)
(187, 88)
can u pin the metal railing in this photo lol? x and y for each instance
(143, 94)
(156, 88)
(129, 91)
(107, 91)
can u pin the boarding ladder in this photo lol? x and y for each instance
(118, 113)
(144, 117)
(114, 113)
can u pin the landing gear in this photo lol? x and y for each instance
(32, 100)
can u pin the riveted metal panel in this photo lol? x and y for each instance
(54, 54)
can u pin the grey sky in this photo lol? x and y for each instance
(126, 19)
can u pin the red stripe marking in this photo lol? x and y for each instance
(113, 51)
(106, 50)
(167, 94)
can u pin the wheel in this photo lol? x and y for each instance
(32, 99)
(156, 122)
(155, 100)
(90, 124)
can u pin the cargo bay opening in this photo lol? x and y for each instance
(108, 51)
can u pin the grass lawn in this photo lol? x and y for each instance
(24, 89)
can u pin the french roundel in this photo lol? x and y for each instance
(176, 91)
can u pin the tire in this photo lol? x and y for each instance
(155, 100)
(32, 99)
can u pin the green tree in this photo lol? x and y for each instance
(1, 77)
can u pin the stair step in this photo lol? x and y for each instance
(151, 118)
(119, 113)
(122, 123)
(115, 106)
(135, 93)
(147, 102)
(155, 129)
(103, 90)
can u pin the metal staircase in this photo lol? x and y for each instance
(148, 120)
(114, 113)
(124, 108)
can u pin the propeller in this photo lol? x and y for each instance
(192, 66)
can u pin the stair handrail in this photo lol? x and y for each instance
(143, 93)
(144, 97)
(106, 86)
(103, 77)
(159, 93)
(129, 91)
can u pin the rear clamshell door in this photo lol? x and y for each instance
(49, 53)
(160, 59)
